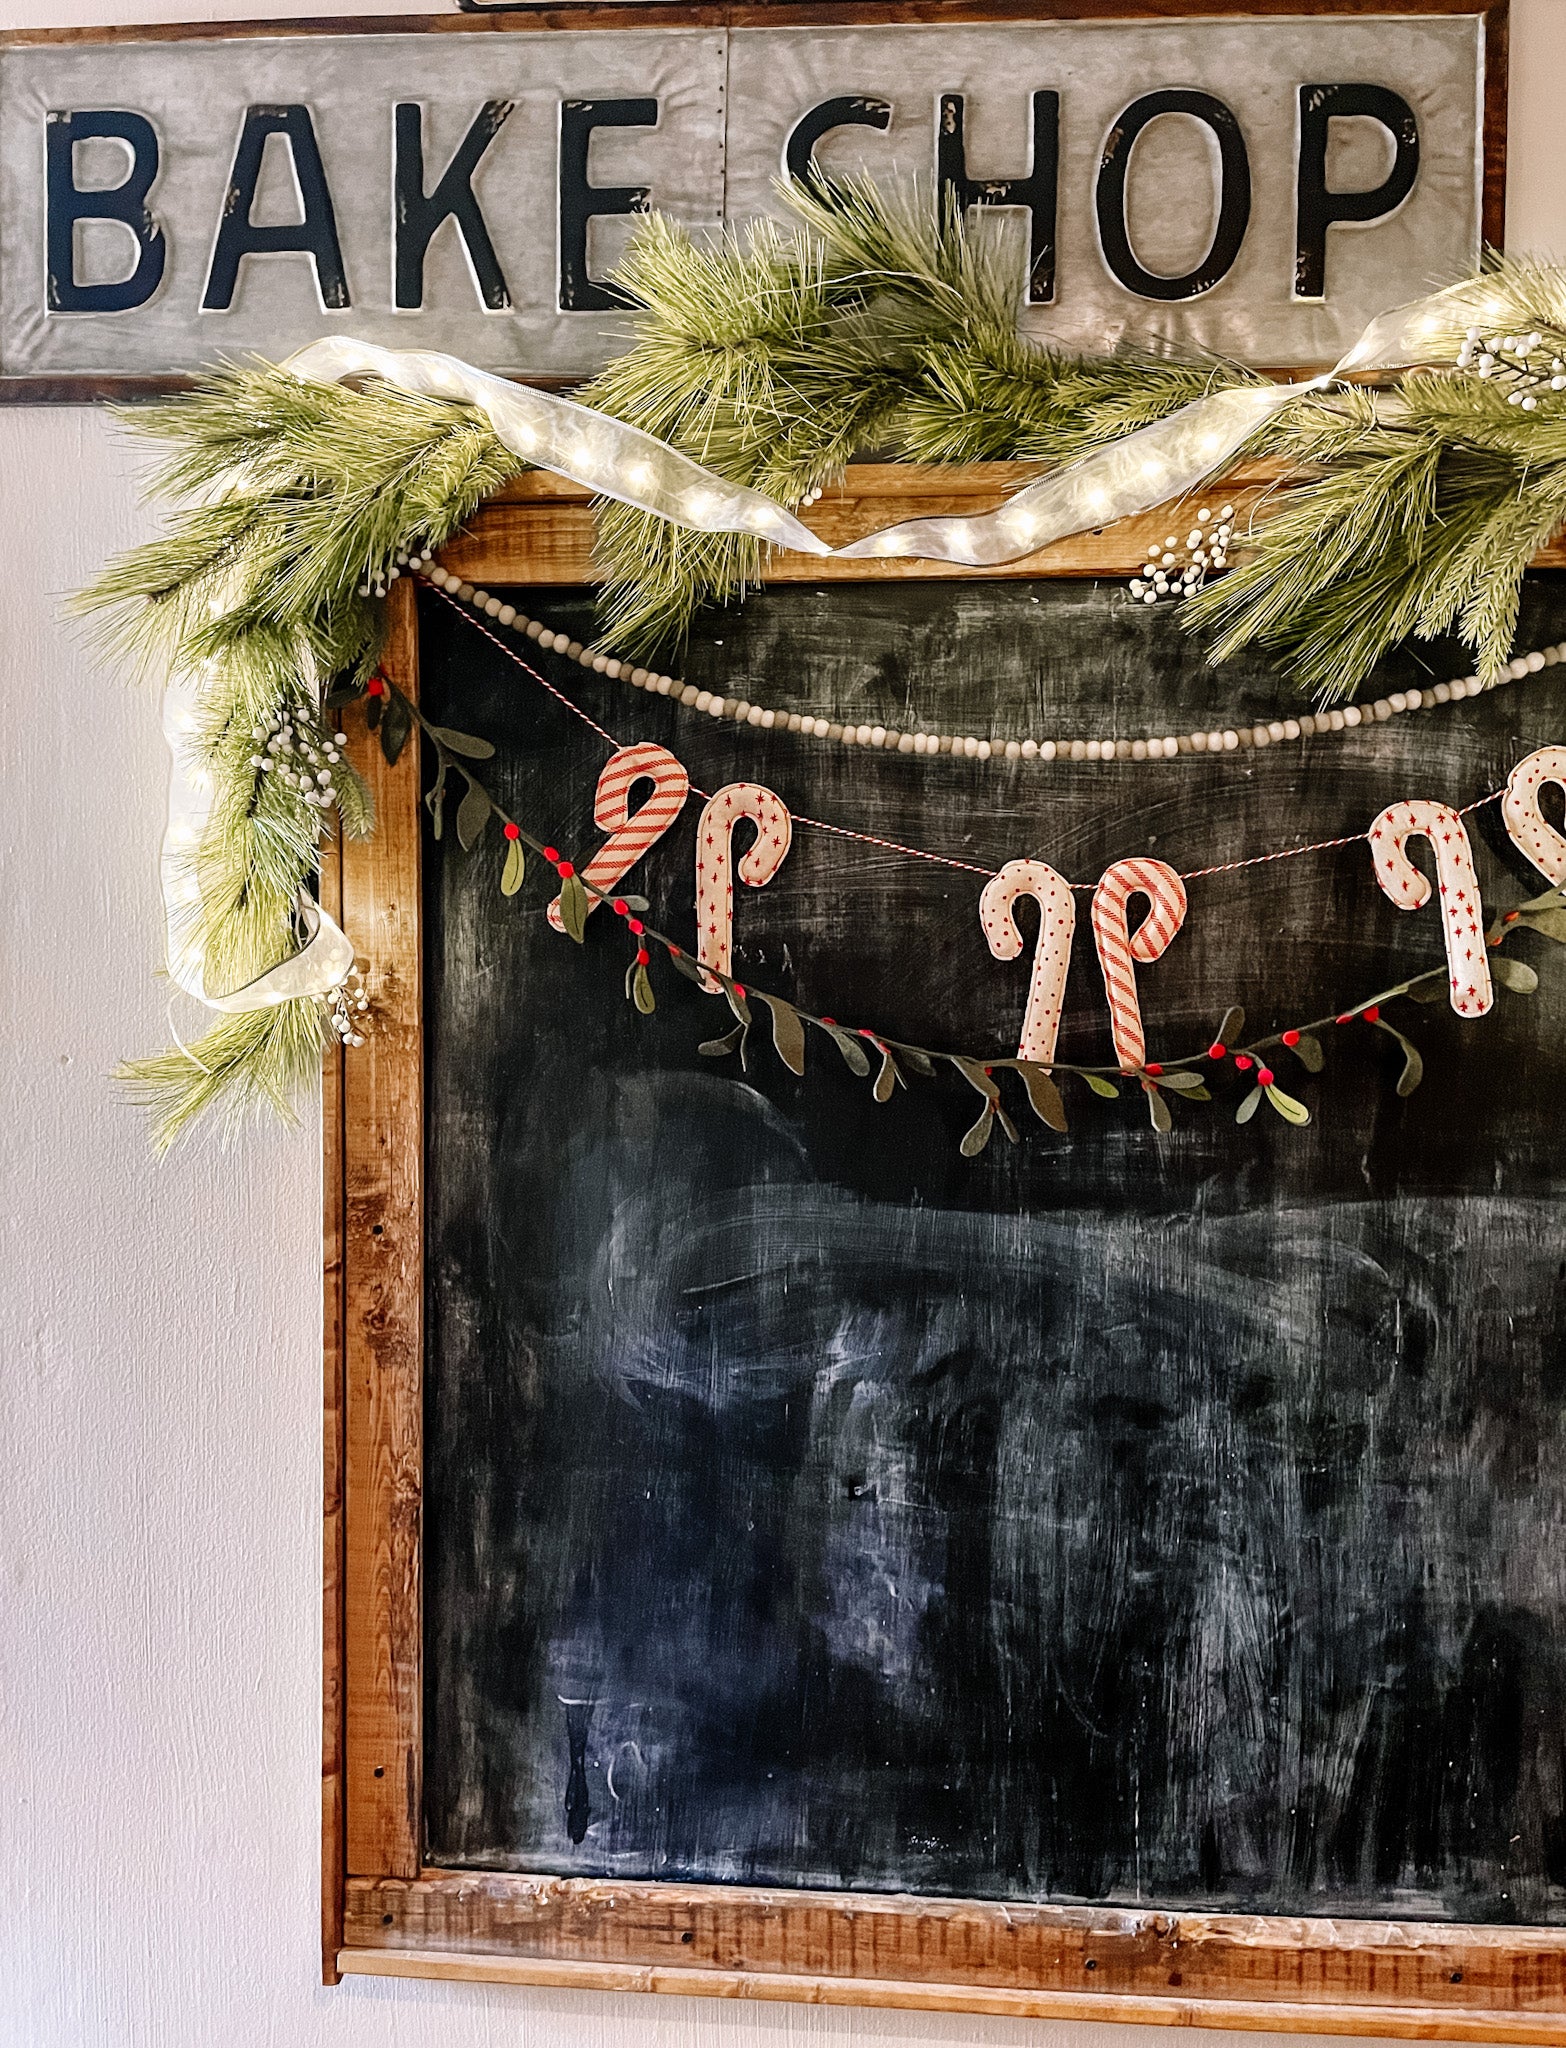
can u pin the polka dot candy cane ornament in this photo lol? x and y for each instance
(1051, 955)
(631, 834)
(1462, 912)
(714, 856)
(1119, 950)
(1530, 831)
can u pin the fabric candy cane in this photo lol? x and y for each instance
(1051, 955)
(714, 857)
(631, 835)
(1118, 950)
(1531, 832)
(1462, 912)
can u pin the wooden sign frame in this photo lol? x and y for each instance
(384, 1913)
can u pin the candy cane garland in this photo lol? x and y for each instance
(714, 853)
(1117, 949)
(1531, 832)
(631, 835)
(1462, 912)
(1051, 955)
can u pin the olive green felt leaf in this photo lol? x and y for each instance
(1552, 899)
(1413, 1059)
(976, 1138)
(1231, 1027)
(396, 722)
(642, 991)
(1309, 1053)
(472, 816)
(1181, 1078)
(1198, 1095)
(1248, 1107)
(1102, 1087)
(436, 800)
(573, 907)
(1291, 1111)
(463, 743)
(1042, 1093)
(515, 868)
(1158, 1110)
(1550, 924)
(682, 963)
(1516, 975)
(788, 1033)
(917, 1062)
(1430, 991)
(717, 1048)
(737, 1004)
(889, 1078)
(848, 1045)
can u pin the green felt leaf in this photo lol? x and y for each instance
(1552, 899)
(636, 903)
(682, 963)
(435, 798)
(1248, 1107)
(973, 1073)
(1231, 1027)
(1158, 1110)
(717, 1048)
(849, 1046)
(976, 1138)
(1004, 1120)
(1180, 1078)
(738, 1004)
(1042, 1093)
(1291, 1111)
(1430, 991)
(642, 991)
(372, 713)
(1516, 975)
(463, 743)
(1198, 1095)
(788, 1033)
(472, 816)
(888, 1079)
(573, 907)
(515, 868)
(341, 695)
(1309, 1053)
(1102, 1087)
(1413, 1059)
(915, 1061)
(395, 725)
(1550, 924)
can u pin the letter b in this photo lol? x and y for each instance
(126, 203)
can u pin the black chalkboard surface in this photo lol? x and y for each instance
(1112, 1517)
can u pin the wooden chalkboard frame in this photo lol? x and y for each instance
(383, 1912)
(533, 16)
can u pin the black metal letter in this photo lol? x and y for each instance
(799, 152)
(419, 213)
(315, 236)
(1037, 191)
(127, 202)
(1234, 195)
(1317, 208)
(580, 201)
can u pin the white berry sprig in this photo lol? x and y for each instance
(1172, 571)
(1526, 367)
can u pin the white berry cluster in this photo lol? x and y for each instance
(1520, 363)
(349, 1007)
(301, 752)
(375, 584)
(1173, 572)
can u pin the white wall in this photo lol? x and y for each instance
(160, 1387)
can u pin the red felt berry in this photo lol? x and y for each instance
(552, 854)
(620, 907)
(674, 951)
(376, 687)
(1264, 1076)
(1372, 1013)
(1510, 917)
(642, 956)
(739, 991)
(1291, 1039)
(565, 870)
(1152, 1067)
(1217, 1052)
(1244, 1062)
(829, 1020)
(635, 927)
(513, 831)
(1343, 1019)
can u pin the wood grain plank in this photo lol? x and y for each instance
(1294, 2017)
(1024, 1950)
(333, 1808)
(383, 1278)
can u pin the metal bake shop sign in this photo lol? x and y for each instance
(1258, 187)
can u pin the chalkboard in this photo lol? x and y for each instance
(1113, 1517)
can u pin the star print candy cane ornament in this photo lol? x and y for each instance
(714, 870)
(631, 834)
(1531, 832)
(1462, 913)
(1051, 955)
(1118, 950)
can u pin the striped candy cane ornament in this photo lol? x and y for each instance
(1051, 955)
(630, 834)
(1462, 913)
(714, 865)
(1118, 950)
(1531, 832)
